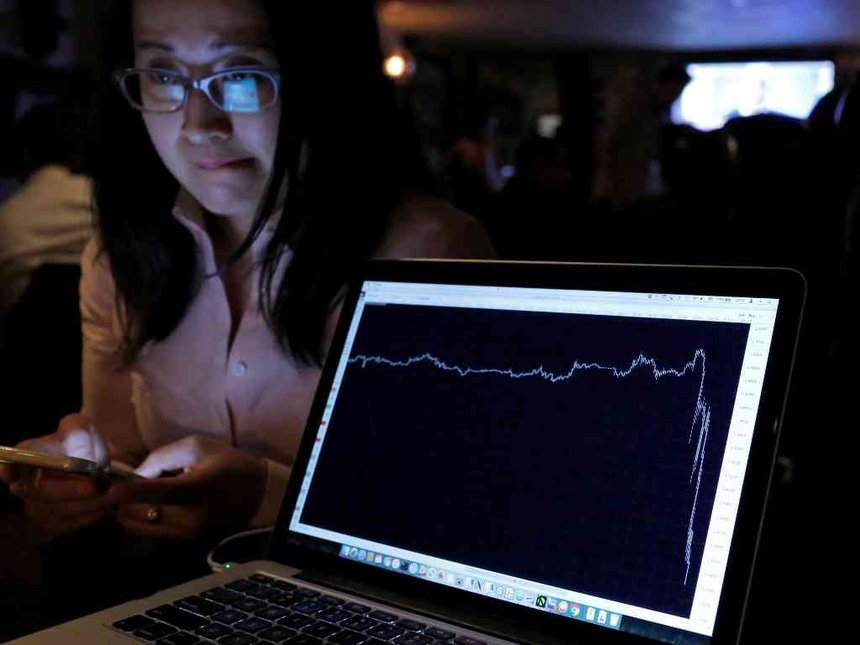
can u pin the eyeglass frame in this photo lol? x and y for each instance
(201, 83)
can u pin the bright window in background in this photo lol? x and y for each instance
(720, 91)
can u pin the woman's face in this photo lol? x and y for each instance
(223, 159)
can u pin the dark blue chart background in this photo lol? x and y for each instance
(583, 484)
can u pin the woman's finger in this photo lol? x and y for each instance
(8, 474)
(55, 488)
(86, 443)
(50, 444)
(180, 455)
(60, 524)
(68, 525)
(158, 520)
(67, 510)
(185, 489)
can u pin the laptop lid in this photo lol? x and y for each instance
(586, 449)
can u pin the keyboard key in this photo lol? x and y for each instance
(441, 634)
(252, 625)
(254, 588)
(276, 633)
(306, 593)
(272, 612)
(309, 607)
(333, 615)
(301, 639)
(331, 600)
(356, 608)
(249, 605)
(133, 623)
(296, 621)
(177, 617)
(262, 578)
(179, 638)
(213, 631)
(467, 640)
(230, 616)
(283, 585)
(383, 616)
(359, 623)
(200, 606)
(412, 625)
(154, 632)
(347, 637)
(320, 630)
(242, 585)
(285, 600)
(264, 593)
(237, 639)
(222, 595)
(384, 632)
(412, 638)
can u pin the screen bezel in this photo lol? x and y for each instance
(787, 285)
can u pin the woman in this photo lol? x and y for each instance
(249, 163)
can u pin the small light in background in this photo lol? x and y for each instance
(548, 125)
(395, 66)
(399, 63)
(399, 66)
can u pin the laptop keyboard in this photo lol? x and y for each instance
(262, 610)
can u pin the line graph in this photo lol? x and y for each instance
(578, 451)
(701, 413)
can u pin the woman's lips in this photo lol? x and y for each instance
(223, 164)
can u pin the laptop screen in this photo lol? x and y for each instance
(575, 452)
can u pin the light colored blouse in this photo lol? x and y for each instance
(196, 382)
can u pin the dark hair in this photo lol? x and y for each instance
(343, 148)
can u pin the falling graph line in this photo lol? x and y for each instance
(701, 412)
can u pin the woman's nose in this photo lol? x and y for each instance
(203, 121)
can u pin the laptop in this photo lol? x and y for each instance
(515, 453)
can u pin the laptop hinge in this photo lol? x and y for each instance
(492, 624)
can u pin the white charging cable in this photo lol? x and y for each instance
(220, 567)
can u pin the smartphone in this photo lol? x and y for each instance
(63, 463)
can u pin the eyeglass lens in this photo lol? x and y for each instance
(232, 92)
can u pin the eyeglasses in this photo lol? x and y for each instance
(235, 90)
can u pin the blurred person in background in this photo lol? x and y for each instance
(32, 35)
(627, 147)
(48, 219)
(539, 215)
(472, 169)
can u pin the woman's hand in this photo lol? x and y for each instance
(59, 502)
(220, 488)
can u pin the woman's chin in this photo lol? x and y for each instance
(227, 203)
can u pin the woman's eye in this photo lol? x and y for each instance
(161, 79)
(237, 76)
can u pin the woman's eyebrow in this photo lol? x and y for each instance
(255, 46)
(149, 45)
(222, 48)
